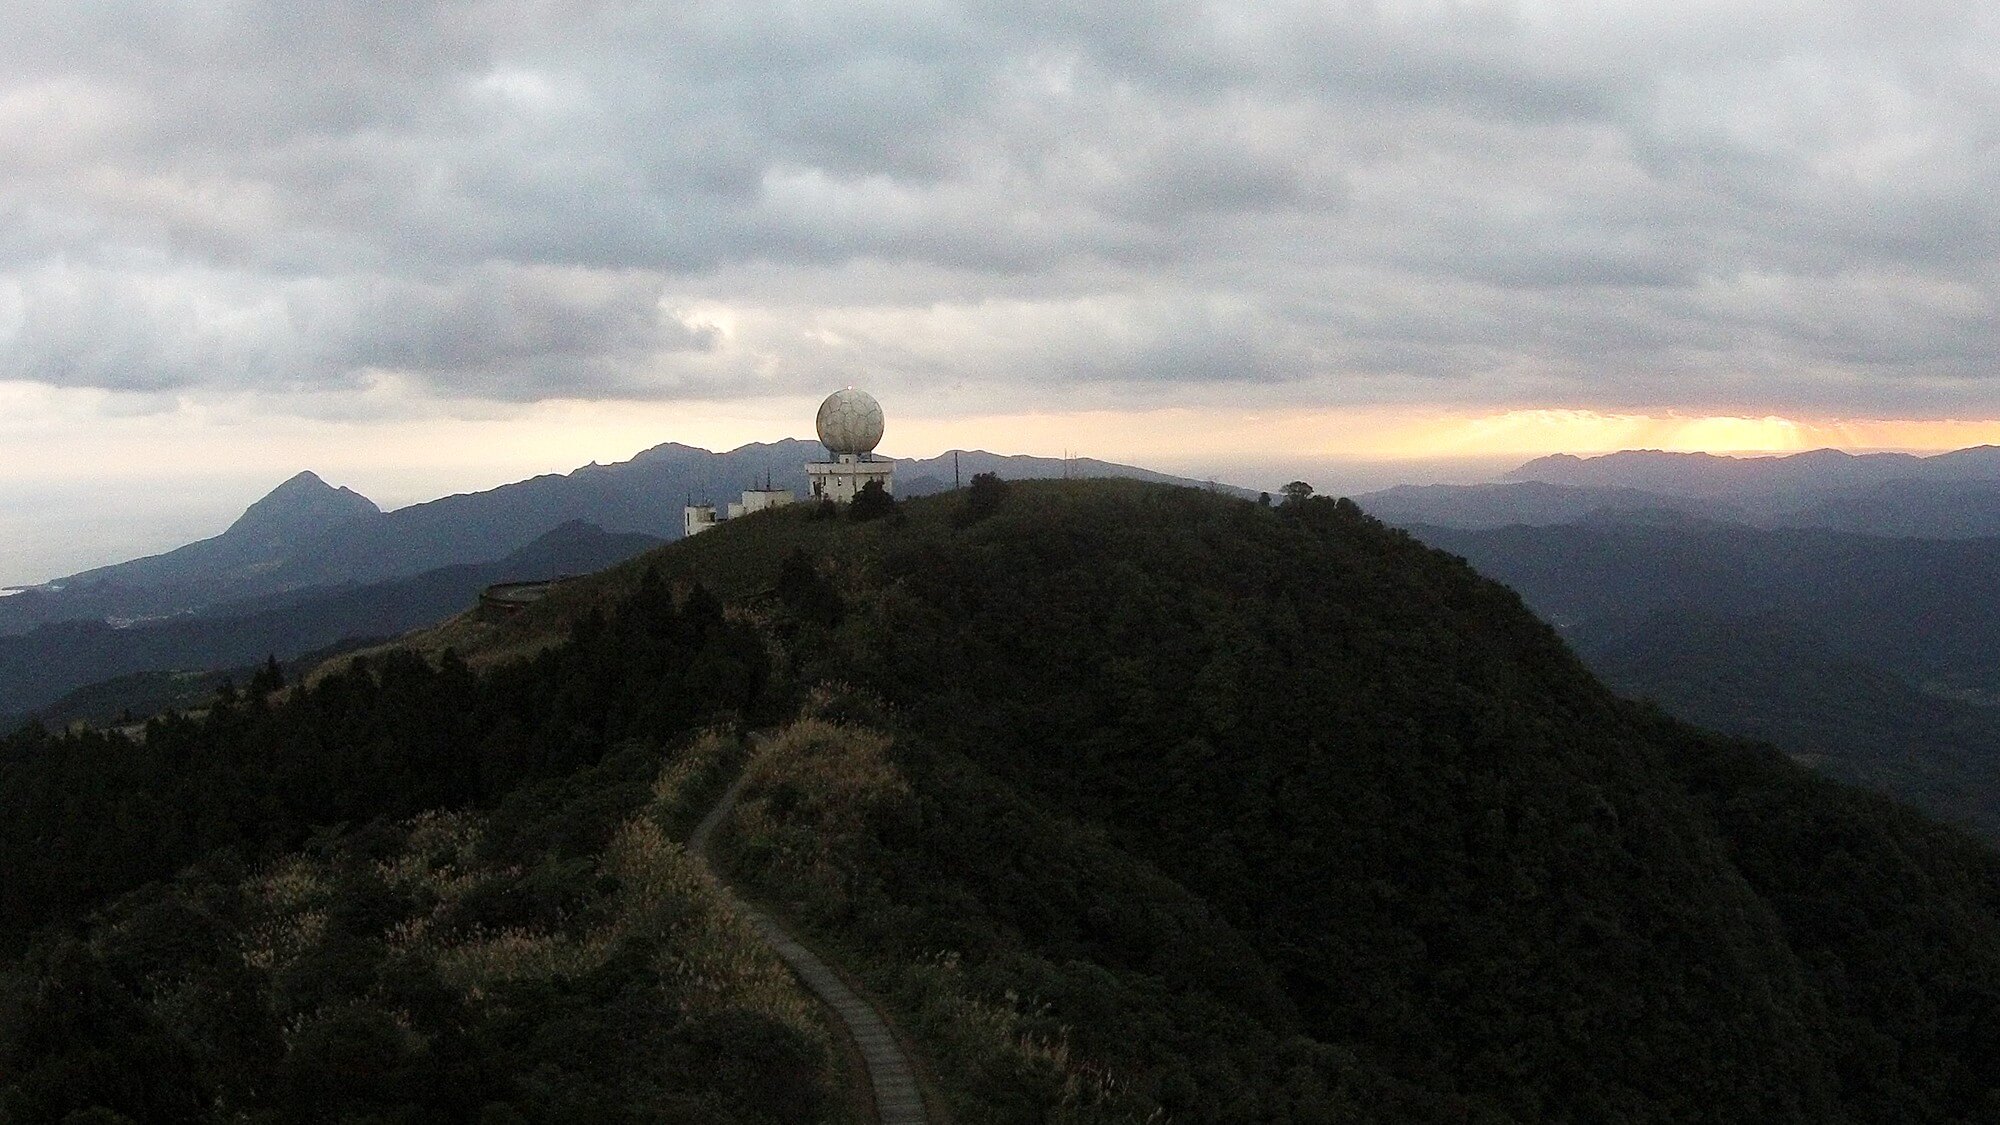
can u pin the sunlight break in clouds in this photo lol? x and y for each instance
(1405, 434)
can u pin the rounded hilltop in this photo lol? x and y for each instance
(1343, 799)
(849, 423)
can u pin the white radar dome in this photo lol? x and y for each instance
(849, 421)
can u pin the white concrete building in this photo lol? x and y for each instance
(758, 499)
(697, 518)
(850, 426)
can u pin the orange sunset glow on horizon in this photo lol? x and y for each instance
(1407, 434)
(409, 459)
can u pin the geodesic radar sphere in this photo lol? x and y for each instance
(849, 421)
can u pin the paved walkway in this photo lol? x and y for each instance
(897, 1098)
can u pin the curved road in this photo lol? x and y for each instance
(898, 1101)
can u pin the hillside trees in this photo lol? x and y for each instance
(91, 814)
(871, 503)
(982, 498)
(556, 959)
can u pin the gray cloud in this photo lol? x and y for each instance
(1755, 207)
(504, 332)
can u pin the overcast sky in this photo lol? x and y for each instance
(349, 224)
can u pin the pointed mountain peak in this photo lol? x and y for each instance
(306, 481)
(300, 506)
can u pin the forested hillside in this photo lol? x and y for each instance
(1773, 677)
(1134, 803)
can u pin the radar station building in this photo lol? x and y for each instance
(850, 426)
(697, 518)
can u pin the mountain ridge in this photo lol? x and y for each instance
(1713, 474)
(306, 533)
(1954, 495)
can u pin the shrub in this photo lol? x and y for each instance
(872, 502)
(984, 498)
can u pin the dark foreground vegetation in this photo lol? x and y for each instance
(1135, 803)
(405, 893)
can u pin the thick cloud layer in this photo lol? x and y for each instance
(1741, 206)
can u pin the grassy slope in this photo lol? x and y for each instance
(558, 958)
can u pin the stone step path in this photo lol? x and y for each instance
(898, 1101)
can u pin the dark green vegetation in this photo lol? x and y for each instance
(1876, 658)
(406, 893)
(1771, 678)
(1135, 803)
(130, 700)
(873, 502)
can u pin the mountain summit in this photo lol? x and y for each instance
(301, 507)
(268, 549)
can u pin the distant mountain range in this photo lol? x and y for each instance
(1947, 496)
(307, 533)
(40, 667)
(1709, 474)
(311, 564)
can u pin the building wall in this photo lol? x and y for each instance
(697, 518)
(840, 481)
(758, 499)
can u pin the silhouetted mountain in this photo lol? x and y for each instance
(257, 554)
(1715, 475)
(38, 667)
(306, 534)
(298, 509)
(269, 533)
(1946, 496)
(1925, 509)
(1531, 502)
